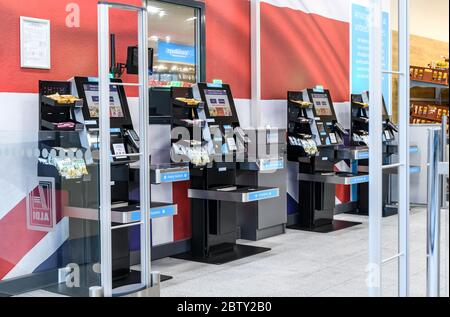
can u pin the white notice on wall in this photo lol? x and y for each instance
(34, 43)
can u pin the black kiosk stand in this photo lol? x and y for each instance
(316, 143)
(213, 142)
(69, 127)
(360, 108)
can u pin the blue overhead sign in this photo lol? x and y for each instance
(176, 53)
(360, 52)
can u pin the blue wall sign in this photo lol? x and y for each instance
(360, 52)
(176, 53)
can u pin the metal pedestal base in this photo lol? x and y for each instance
(388, 211)
(336, 225)
(135, 278)
(239, 251)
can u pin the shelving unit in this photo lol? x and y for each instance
(429, 110)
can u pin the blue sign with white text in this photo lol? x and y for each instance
(176, 53)
(158, 212)
(359, 180)
(266, 194)
(272, 165)
(165, 211)
(360, 52)
(175, 177)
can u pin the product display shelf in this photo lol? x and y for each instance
(429, 110)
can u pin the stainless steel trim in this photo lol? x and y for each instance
(127, 225)
(116, 216)
(238, 196)
(126, 155)
(353, 154)
(392, 166)
(334, 179)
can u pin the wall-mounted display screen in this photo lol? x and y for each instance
(92, 99)
(322, 105)
(218, 103)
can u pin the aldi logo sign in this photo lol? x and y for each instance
(41, 210)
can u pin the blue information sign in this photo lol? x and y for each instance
(175, 177)
(265, 194)
(159, 212)
(176, 53)
(360, 52)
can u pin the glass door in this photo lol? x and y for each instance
(49, 206)
(176, 35)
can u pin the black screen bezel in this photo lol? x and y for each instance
(232, 120)
(326, 93)
(124, 122)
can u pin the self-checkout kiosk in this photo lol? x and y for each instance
(360, 109)
(207, 134)
(69, 130)
(316, 142)
(264, 166)
(125, 167)
(69, 143)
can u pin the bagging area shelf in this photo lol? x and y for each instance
(335, 178)
(238, 194)
(123, 214)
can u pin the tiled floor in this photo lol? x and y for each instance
(304, 264)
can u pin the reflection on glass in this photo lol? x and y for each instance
(172, 35)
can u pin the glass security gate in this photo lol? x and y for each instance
(376, 166)
(420, 270)
(147, 280)
(43, 250)
(57, 221)
(437, 216)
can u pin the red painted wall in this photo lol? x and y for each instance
(228, 44)
(300, 50)
(73, 50)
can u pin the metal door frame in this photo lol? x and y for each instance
(376, 167)
(105, 141)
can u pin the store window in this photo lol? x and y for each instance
(175, 34)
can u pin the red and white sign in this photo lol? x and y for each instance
(41, 211)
